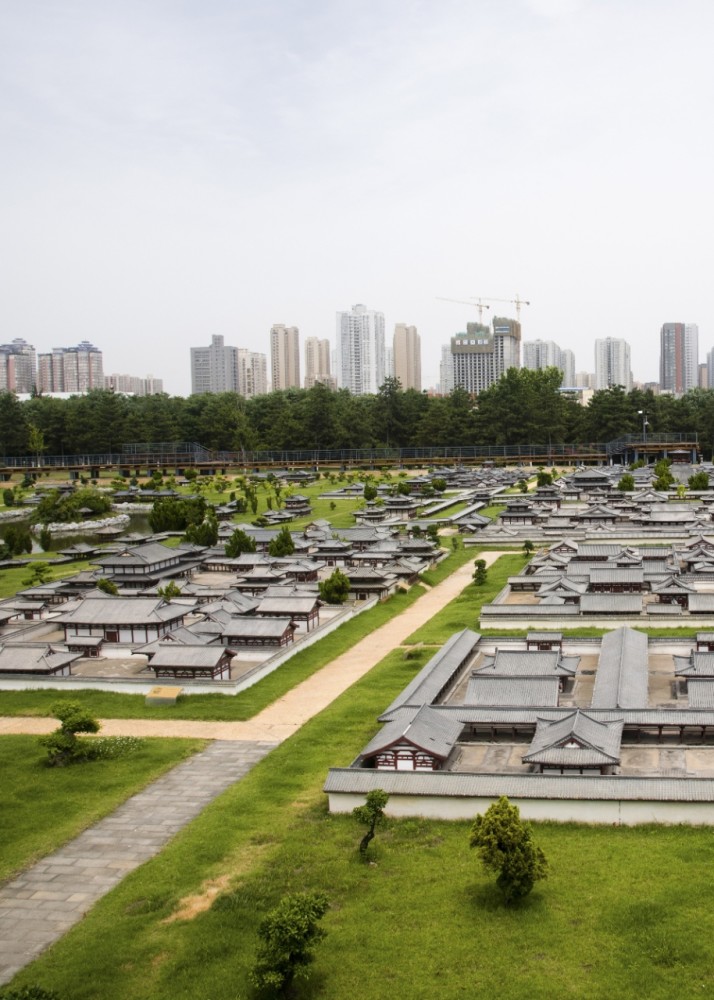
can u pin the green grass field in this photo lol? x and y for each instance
(624, 913)
(463, 611)
(42, 807)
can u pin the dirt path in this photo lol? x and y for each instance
(286, 715)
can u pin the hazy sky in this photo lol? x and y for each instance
(173, 169)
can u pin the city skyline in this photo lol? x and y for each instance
(145, 174)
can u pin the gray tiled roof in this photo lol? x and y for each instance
(700, 691)
(31, 660)
(122, 611)
(174, 654)
(623, 604)
(575, 740)
(529, 663)
(621, 678)
(701, 603)
(488, 690)
(423, 727)
(439, 672)
(697, 664)
(296, 605)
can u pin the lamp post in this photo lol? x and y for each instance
(645, 424)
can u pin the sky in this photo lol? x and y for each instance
(175, 169)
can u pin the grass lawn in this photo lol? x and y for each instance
(12, 580)
(614, 919)
(110, 705)
(43, 807)
(463, 611)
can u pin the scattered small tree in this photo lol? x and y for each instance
(8, 497)
(699, 481)
(664, 476)
(433, 533)
(522, 485)
(439, 484)
(205, 533)
(63, 746)
(505, 845)
(40, 573)
(626, 483)
(528, 548)
(107, 587)
(169, 591)
(455, 543)
(238, 543)
(282, 545)
(18, 539)
(45, 538)
(288, 935)
(480, 572)
(371, 813)
(544, 478)
(335, 589)
(370, 491)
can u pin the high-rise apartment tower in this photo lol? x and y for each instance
(317, 362)
(285, 356)
(71, 369)
(360, 350)
(678, 357)
(214, 368)
(407, 356)
(612, 363)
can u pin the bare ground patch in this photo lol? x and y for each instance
(192, 906)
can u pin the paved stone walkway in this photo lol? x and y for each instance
(43, 902)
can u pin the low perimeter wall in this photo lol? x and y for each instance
(614, 801)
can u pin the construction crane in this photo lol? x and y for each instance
(480, 305)
(517, 302)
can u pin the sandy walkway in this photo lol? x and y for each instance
(286, 715)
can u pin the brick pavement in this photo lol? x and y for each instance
(43, 902)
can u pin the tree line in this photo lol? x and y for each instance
(524, 407)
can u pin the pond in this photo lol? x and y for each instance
(137, 524)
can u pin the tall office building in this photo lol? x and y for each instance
(18, 367)
(252, 373)
(285, 356)
(612, 363)
(71, 369)
(317, 362)
(214, 368)
(482, 355)
(678, 357)
(361, 360)
(407, 356)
